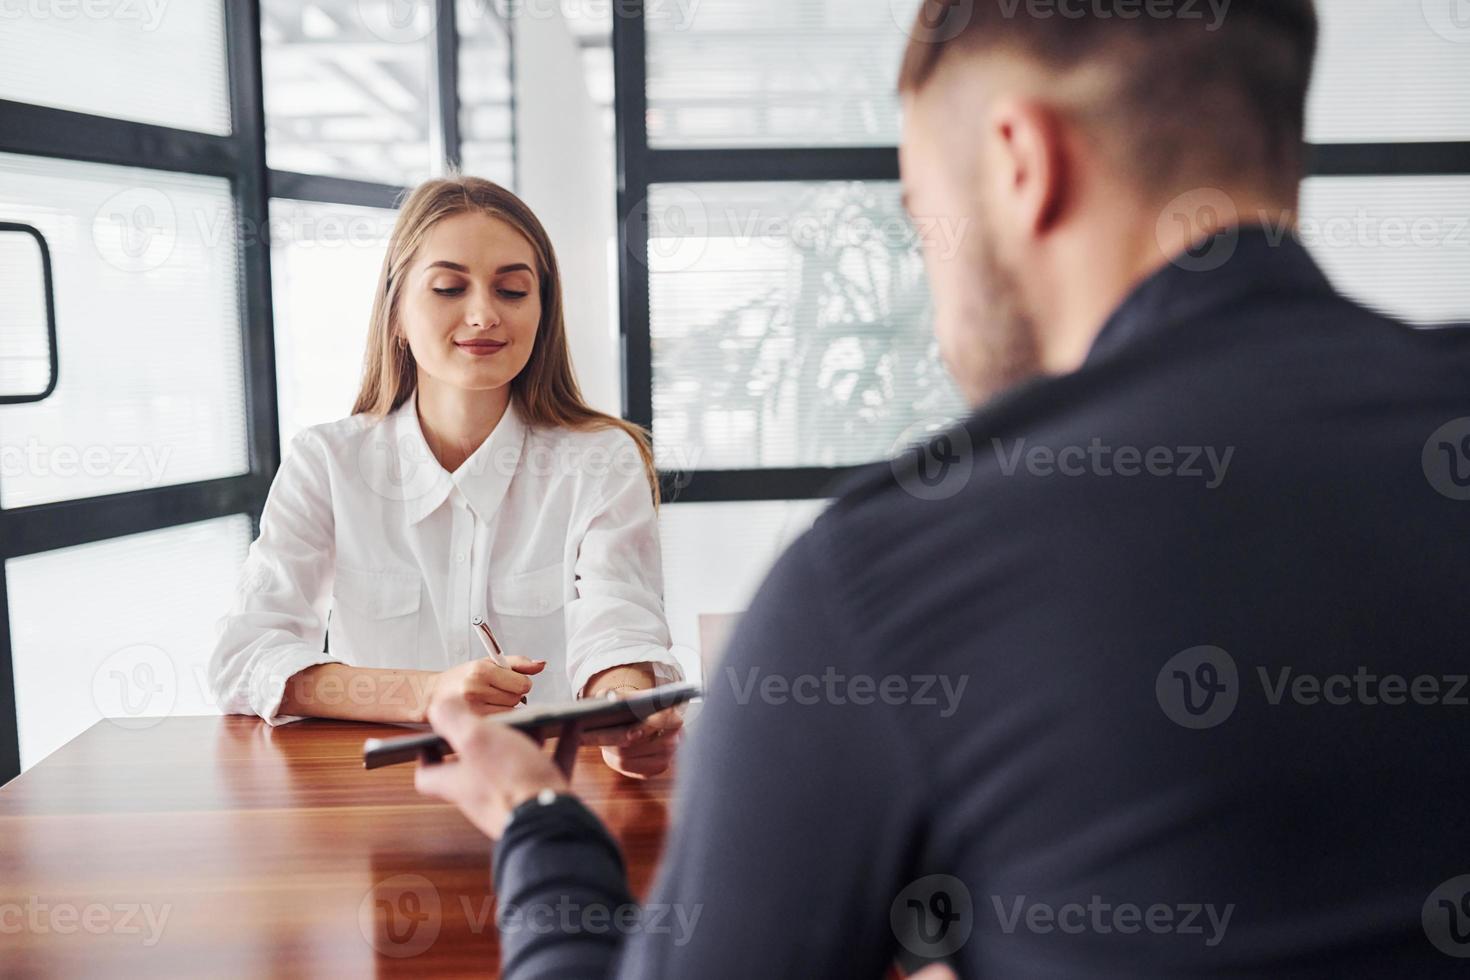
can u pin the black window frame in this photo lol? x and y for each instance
(240, 157)
(640, 166)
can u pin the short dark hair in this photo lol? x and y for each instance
(1204, 94)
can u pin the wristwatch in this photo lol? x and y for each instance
(546, 797)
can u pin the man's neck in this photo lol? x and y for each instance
(1097, 267)
(456, 421)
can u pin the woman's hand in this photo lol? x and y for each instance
(647, 748)
(484, 686)
(496, 769)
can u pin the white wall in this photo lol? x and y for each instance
(565, 172)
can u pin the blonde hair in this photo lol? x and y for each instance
(545, 391)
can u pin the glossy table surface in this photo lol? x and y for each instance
(217, 846)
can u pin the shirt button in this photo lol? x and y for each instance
(459, 557)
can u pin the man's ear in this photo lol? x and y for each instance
(1028, 142)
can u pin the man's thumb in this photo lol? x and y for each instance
(524, 665)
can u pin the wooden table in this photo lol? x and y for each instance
(223, 847)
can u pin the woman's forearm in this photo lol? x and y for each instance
(359, 693)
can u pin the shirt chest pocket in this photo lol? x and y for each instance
(535, 593)
(375, 617)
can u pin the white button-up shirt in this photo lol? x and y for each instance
(550, 534)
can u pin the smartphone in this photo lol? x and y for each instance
(590, 714)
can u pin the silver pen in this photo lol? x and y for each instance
(487, 640)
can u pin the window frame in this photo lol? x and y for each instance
(640, 166)
(45, 131)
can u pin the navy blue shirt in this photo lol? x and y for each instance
(1153, 669)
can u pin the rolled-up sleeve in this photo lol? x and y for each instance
(277, 625)
(617, 616)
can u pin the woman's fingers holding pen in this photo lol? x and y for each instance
(486, 686)
(499, 687)
(525, 665)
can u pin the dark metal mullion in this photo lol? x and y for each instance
(247, 110)
(9, 714)
(881, 163)
(1388, 159)
(796, 483)
(67, 523)
(44, 131)
(630, 106)
(784, 165)
(333, 190)
(446, 42)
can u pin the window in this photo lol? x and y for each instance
(147, 289)
(133, 144)
(325, 261)
(163, 64)
(774, 73)
(348, 88)
(126, 656)
(128, 147)
(776, 316)
(790, 325)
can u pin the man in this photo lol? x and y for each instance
(1157, 659)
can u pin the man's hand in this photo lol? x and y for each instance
(935, 971)
(647, 748)
(483, 685)
(497, 768)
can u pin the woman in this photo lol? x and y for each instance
(471, 483)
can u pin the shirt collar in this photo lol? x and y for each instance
(482, 479)
(1239, 263)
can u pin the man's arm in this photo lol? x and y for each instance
(796, 817)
